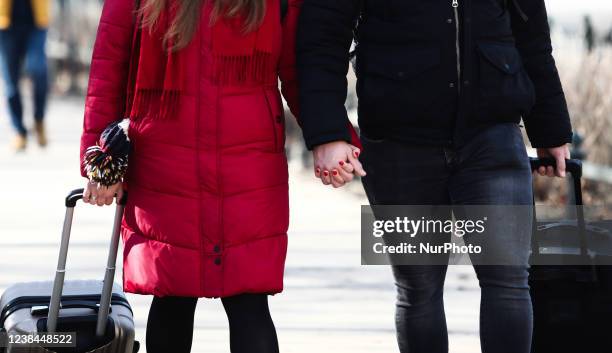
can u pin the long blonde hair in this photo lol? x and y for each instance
(187, 18)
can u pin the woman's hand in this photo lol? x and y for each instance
(560, 154)
(337, 162)
(101, 195)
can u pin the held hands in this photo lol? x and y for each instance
(337, 162)
(97, 194)
(560, 154)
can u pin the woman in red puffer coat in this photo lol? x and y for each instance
(208, 209)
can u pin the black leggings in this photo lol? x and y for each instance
(170, 324)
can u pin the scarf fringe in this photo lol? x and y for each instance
(244, 68)
(154, 104)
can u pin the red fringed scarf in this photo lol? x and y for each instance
(157, 77)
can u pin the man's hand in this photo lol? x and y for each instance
(100, 195)
(337, 162)
(560, 154)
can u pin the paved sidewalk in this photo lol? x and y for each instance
(330, 304)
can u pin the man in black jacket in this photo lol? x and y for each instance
(442, 88)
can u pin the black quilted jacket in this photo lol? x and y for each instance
(430, 71)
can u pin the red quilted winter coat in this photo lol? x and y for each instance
(208, 209)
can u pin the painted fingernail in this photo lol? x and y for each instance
(356, 153)
(341, 163)
(318, 171)
(326, 173)
(335, 172)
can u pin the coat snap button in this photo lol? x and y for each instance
(218, 261)
(217, 249)
(401, 74)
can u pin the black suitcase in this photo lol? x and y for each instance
(97, 312)
(572, 304)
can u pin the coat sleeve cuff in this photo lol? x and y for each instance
(314, 141)
(548, 126)
(549, 141)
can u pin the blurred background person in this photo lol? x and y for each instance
(589, 34)
(23, 34)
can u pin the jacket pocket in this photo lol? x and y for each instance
(398, 83)
(506, 92)
(277, 118)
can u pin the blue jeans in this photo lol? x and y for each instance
(19, 44)
(491, 169)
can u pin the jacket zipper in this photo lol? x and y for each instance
(455, 5)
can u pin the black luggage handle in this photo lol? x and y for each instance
(574, 167)
(109, 276)
(76, 195)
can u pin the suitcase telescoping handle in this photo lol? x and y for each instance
(574, 167)
(109, 276)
